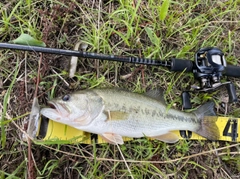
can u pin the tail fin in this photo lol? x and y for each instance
(207, 115)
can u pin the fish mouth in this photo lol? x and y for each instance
(62, 109)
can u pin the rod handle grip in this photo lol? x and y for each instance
(233, 71)
(181, 65)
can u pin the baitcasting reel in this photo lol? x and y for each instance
(208, 69)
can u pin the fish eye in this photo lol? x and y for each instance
(66, 97)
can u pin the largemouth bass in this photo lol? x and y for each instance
(114, 113)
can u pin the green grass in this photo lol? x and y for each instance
(138, 28)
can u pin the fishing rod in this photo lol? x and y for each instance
(84, 54)
(208, 67)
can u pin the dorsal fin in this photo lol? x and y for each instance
(157, 94)
(205, 110)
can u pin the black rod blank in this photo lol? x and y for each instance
(91, 55)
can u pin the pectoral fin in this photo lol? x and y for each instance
(168, 137)
(116, 115)
(113, 138)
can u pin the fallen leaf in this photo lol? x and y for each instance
(25, 39)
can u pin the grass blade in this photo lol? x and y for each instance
(164, 9)
(5, 104)
(152, 36)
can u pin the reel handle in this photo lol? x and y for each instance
(231, 93)
(186, 103)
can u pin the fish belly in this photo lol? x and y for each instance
(136, 126)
